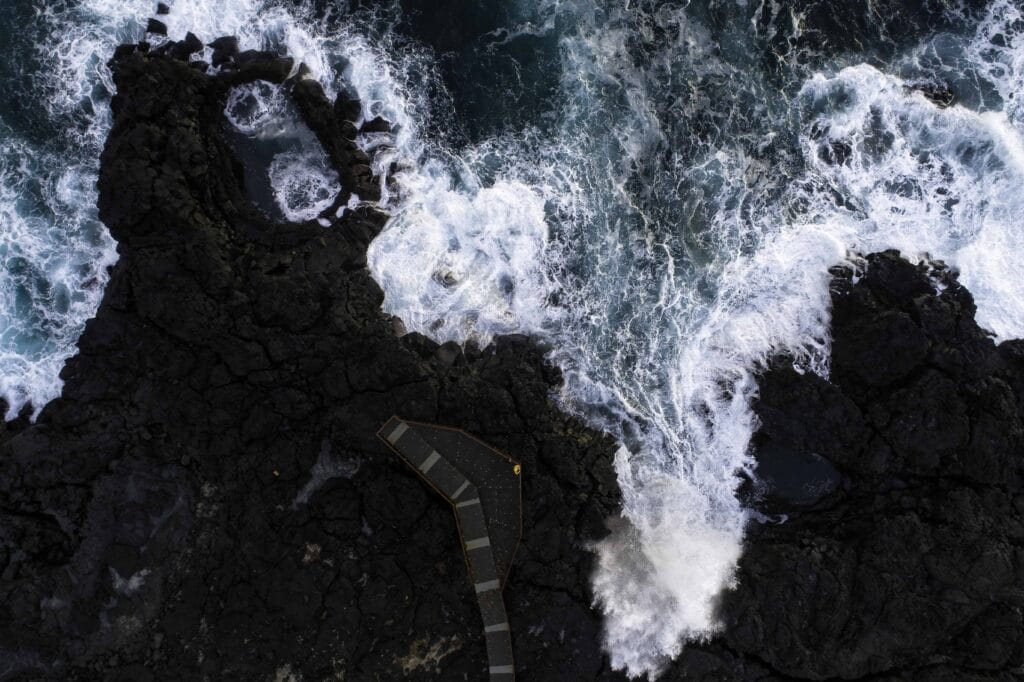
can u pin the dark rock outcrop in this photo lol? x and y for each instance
(337, 136)
(184, 49)
(208, 499)
(913, 567)
(156, 27)
(376, 125)
(224, 49)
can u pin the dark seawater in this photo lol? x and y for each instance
(655, 189)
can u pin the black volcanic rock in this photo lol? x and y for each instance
(156, 27)
(347, 108)
(337, 136)
(208, 498)
(224, 49)
(913, 568)
(259, 65)
(376, 125)
(186, 48)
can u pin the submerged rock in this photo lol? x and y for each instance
(941, 96)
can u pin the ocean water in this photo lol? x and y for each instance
(655, 189)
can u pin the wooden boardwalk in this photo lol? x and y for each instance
(483, 487)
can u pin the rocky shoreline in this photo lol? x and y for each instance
(207, 500)
(908, 563)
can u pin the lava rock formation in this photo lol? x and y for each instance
(208, 498)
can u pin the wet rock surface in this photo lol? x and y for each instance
(208, 499)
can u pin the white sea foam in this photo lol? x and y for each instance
(304, 183)
(454, 260)
(927, 180)
(54, 256)
(258, 109)
(55, 253)
(675, 370)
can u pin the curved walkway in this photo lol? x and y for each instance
(483, 487)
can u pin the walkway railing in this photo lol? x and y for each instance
(483, 487)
